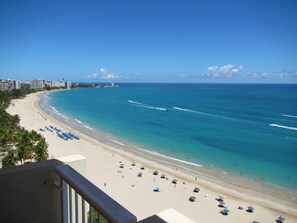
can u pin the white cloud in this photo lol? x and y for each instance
(183, 75)
(106, 74)
(92, 76)
(228, 70)
(103, 70)
(212, 68)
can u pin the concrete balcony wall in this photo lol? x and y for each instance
(28, 193)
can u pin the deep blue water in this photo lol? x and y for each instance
(243, 129)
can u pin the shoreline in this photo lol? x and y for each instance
(215, 180)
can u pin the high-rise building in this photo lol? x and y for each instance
(5, 85)
(37, 84)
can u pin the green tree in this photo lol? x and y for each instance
(96, 217)
(10, 159)
(16, 143)
(40, 150)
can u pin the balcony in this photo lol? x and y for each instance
(52, 191)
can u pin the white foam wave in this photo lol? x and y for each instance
(290, 116)
(283, 126)
(78, 121)
(193, 111)
(58, 113)
(88, 127)
(117, 142)
(152, 107)
(171, 158)
(138, 104)
(135, 102)
(55, 110)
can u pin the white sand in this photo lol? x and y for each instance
(136, 194)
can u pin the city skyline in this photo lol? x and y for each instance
(150, 41)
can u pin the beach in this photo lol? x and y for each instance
(136, 193)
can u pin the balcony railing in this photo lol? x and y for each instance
(80, 196)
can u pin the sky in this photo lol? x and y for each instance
(181, 41)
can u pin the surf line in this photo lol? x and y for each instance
(290, 116)
(283, 126)
(141, 105)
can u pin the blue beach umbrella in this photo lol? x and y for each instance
(156, 189)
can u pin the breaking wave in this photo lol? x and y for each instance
(78, 121)
(290, 116)
(141, 105)
(283, 126)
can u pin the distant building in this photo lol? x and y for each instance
(5, 85)
(16, 84)
(61, 84)
(37, 84)
(68, 84)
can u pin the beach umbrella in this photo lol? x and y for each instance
(281, 219)
(156, 189)
(163, 176)
(222, 204)
(192, 198)
(220, 198)
(196, 189)
(250, 209)
(225, 211)
(156, 172)
(174, 181)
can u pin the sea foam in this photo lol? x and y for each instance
(141, 105)
(168, 157)
(283, 126)
(88, 127)
(290, 116)
(78, 121)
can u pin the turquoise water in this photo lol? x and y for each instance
(248, 130)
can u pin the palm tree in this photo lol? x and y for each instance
(40, 150)
(10, 159)
(25, 145)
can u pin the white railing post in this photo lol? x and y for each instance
(64, 193)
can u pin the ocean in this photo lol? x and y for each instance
(246, 130)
